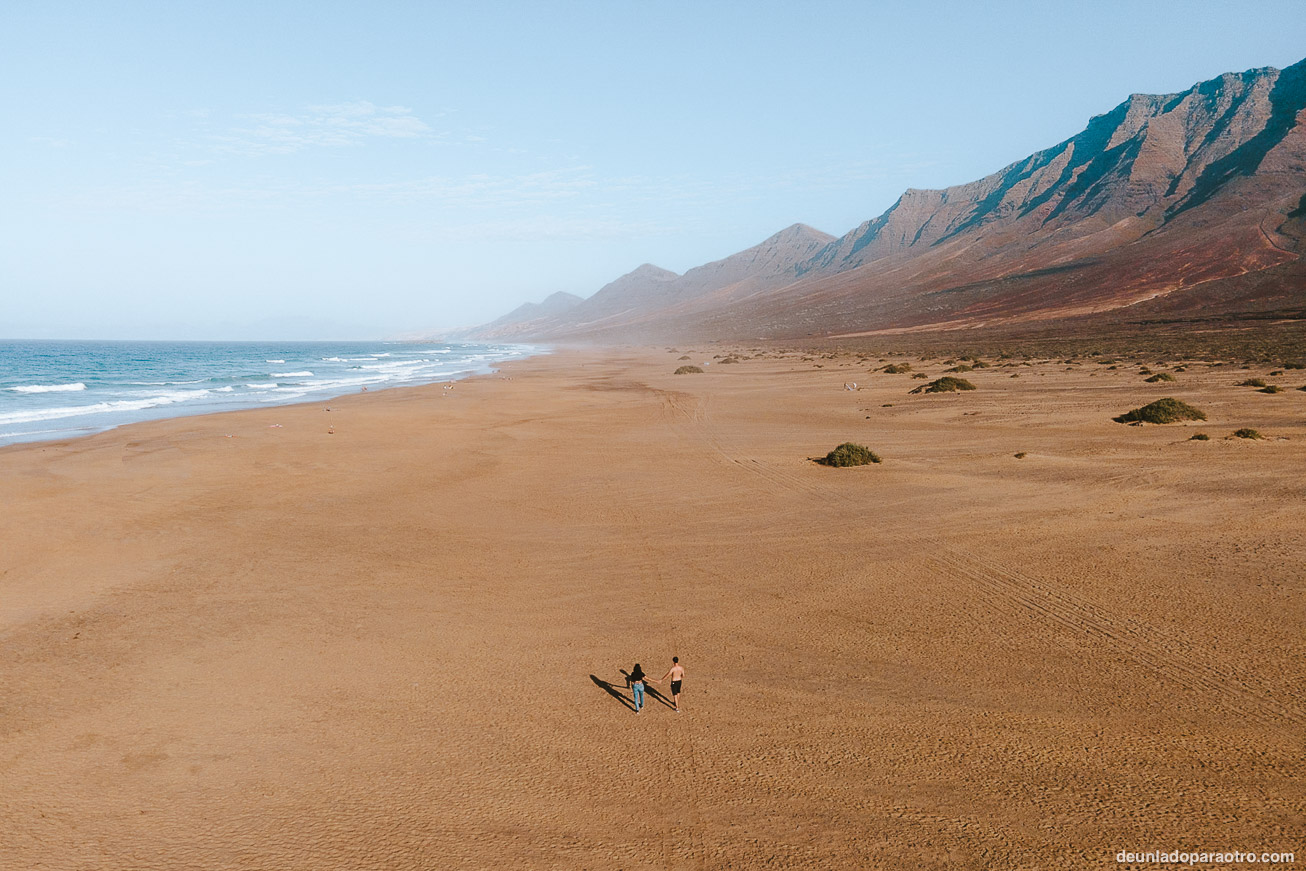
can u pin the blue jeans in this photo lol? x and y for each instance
(638, 689)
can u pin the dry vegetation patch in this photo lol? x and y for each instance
(947, 384)
(1168, 410)
(849, 454)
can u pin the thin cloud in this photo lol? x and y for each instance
(330, 126)
(484, 190)
(50, 142)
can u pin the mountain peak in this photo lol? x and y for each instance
(649, 271)
(798, 232)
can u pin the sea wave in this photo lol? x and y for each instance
(116, 406)
(128, 384)
(47, 388)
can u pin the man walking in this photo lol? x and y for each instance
(677, 674)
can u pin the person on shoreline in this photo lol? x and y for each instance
(677, 674)
(635, 680)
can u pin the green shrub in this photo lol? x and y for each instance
(1020, 456)
(849, 454)
(1168, 410)
(1160, 376)
(1247, 433)
(1252, 382)
(1294, 365)
(683, 357)
(689, 370)
(945, 385)
(1199, 437)
(920, 375)
(896, 368)
(1273, 388)
(960, 368)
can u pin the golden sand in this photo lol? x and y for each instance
(233, 645)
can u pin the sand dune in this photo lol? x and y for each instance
(229, 645)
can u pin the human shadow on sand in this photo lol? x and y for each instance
(611, 689)
(649, 691)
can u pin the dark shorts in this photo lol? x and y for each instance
(675, 687)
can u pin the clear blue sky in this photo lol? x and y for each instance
(202, 170)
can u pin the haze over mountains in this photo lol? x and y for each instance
(1183, 206)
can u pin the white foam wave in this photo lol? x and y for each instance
(292, 374)
(117, 406)
(332, 360)
(274, 361)
(47, 388)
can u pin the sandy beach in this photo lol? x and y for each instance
(391, 634)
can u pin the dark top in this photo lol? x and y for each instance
(637, 674)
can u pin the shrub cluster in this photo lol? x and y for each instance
(896, 368)
(689, 370)
(1160, 376)
(849, 454)
(1168, 410)
(946, 384)
(1247, 433)
(1252, 382)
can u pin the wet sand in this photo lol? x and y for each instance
(230, 644)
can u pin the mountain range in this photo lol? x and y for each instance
(1185, 206)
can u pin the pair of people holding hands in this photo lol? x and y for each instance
(635, 681)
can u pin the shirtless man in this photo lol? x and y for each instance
(677, 674)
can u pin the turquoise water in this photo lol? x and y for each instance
(56, 389)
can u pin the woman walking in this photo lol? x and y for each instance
(635, 680)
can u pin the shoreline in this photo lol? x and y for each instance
(64, 435)
(401, 644)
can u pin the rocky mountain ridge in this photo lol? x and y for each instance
(1160, 196)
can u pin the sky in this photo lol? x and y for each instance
(236, 170)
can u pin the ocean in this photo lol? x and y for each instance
(58, 389)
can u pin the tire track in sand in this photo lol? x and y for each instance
(1168, 655)
(681, 775)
